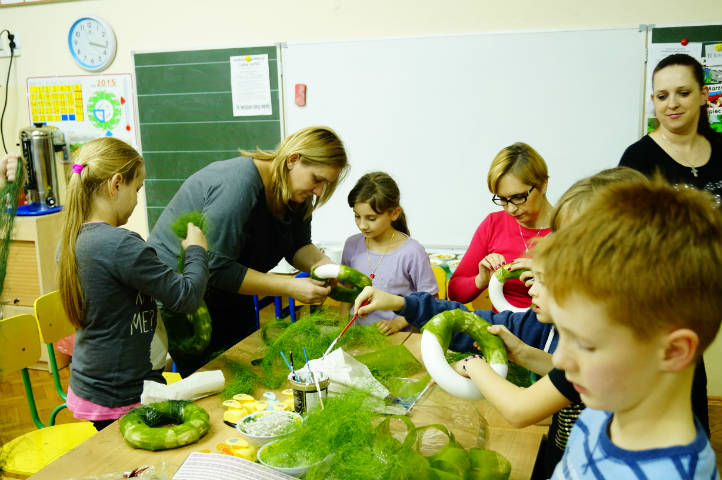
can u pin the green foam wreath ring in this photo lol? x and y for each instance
(190, 333)
(146, 427)
(353, 281)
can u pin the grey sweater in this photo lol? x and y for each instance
(121, 276)
(242, 231)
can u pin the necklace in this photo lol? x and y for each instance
(526, 247)
(674, 147)
(372, 271)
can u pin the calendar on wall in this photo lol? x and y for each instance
(84, 107)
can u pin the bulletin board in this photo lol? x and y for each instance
(190, 114)
(434, 111)
(84, 107)
(703, 42)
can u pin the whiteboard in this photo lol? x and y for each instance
(434, 111)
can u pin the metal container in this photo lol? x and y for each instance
(39, 146)
(305, 393)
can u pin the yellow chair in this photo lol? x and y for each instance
(28, 453)
(53, 324)
(441, 280)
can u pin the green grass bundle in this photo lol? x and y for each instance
(315, 332)
(390, 362)
(346, 441)
(243, 380)
(9, 195)
(180, 225)
(345, 423)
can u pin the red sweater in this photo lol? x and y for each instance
(498, 233)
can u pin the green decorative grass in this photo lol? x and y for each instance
(180, 225)
(390, 362)
(243, 380)
(348, 441)
(9, 194)
(315, 332)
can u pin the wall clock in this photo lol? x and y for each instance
(91, 41)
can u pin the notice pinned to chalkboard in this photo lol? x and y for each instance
(250, 85)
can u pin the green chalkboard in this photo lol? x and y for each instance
(186, 116)
(693, 33)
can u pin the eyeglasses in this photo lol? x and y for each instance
(514, 199)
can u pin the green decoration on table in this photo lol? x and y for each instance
(315, 332)
(390, 362)
(9, 195)
(341, 442)
(164, 425)
(188, 333)
(243, 380)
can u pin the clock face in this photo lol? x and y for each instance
(92, 43)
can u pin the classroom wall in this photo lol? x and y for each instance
(151, 25)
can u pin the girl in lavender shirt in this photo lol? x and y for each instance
(395, 262)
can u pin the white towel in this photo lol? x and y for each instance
(198, 385)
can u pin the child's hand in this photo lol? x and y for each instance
(527, 278)
(462, 366)
(194, 236)
(387, 327)
(377, 300)
(8, 167)
(514, 346)
(521, 263)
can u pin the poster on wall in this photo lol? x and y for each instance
(84, 107)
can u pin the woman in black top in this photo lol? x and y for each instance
(684, 150)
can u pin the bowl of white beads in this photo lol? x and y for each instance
(262, 427)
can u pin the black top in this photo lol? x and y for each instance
(646, 156)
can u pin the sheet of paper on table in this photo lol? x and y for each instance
(216, 466)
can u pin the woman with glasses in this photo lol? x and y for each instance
(517, 180)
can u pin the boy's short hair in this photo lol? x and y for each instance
(572, 202)
(650, 252)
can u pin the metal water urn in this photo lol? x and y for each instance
(39, 145)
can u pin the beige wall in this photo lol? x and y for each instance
(185, 24)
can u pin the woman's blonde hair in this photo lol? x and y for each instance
(316, 146)
(522, 161)
(101, 159)
(575, 199)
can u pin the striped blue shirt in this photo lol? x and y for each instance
(590, 454)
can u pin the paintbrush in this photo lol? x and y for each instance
(293, 367)
(330, 347)
(313, 377)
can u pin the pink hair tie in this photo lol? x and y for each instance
(77, 168)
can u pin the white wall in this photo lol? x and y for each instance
(142, 25)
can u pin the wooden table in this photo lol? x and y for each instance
(107, 451)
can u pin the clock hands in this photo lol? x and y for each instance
(105, 45)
